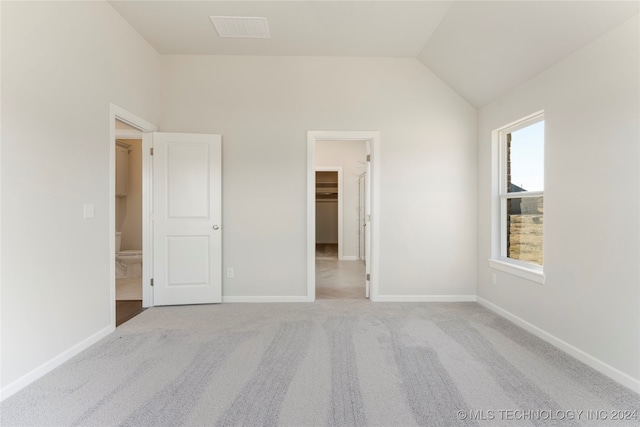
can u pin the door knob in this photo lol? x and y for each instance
(215, 227)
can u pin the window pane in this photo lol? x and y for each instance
(525, 159)
(524, 229)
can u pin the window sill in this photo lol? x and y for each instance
(516, 270)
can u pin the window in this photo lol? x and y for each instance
(521, 196)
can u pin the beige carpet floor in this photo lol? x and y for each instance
(336, 362)
(328, 363)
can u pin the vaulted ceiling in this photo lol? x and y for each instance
(479, 48)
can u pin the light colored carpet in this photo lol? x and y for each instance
(328, 363)
(129, 289)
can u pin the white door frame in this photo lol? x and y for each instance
(118, 113)
(340, 223)
(373, 137)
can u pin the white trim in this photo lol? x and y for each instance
(131, 119)
(374, 138)
(517, 270)
(523, 122)
(348, 258)
(263, 299)
(128, 134)
(147, 223)
(118, 113)
(597, 364)
(51, 364)
(426, 298)
(2, 390)
(340, 204)
(523, 194)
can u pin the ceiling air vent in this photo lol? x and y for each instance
(241, 27)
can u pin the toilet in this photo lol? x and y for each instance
(128, 263)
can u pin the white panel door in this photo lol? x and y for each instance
(187, 237)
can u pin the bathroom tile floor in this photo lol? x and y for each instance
(337, 279)
(129, 289)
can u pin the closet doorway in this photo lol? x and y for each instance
(370, 222)
(329, 212)
(340, 271)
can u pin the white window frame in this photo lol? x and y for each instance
(499, 259)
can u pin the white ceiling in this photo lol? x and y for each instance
(484, 49)
(298, 28)
(480, 48)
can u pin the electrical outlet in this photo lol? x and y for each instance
(494, 279)
(230, 272)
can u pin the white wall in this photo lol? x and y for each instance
(62, 64)
(591, 298)
(264, 106)
(349, 155)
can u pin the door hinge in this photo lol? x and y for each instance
(151, 151)
(368, 277)
(151, 282)
(368, 157)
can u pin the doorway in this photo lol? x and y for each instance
(329, 218)
(128, 258)
(130, 141)
(340, 274)
(343, 269)
(182, 243)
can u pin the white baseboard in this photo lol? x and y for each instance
(265, 299)
(425, 298)
(50, 365)
(349, 258)
(597, 364)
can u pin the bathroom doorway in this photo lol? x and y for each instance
(125, 125)
(128, 222)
